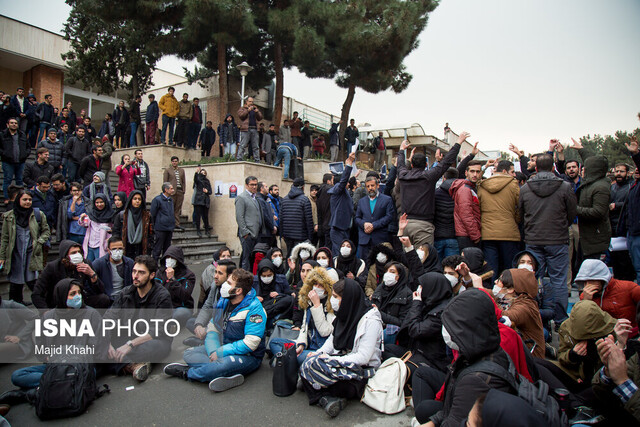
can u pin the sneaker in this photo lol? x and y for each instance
(225, 383)
(192, 341)
(586, 415)
(139, 371)
(415, 422)
(550, 351)
(177, 370)
(332, 405)
(199, 233)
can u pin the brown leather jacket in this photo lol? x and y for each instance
(243, 115)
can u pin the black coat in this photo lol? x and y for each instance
(34, 170)
(296, 220)
(323, 202)
(88, 168)
(6, 147)
(201, 198)
(443, 221)
(181, 285)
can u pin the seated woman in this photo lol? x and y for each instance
(119, 200)
(97, 221)
(134, 226)
(273, 292)
(276, 256)
(300, 253)
(314, 303)
(347, 261)
(393, 299)
(355, 343)
(298, 314)
(516, 290)
(179, 280)
(475, 260)
(16, 328)
(377, 260)
(324, 257)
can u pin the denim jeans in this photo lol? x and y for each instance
(203, 370)
(499, 254)
(337, 236)
(42, 133)
(167, 121)
(446, 247)
(182, 314)
(11, 170)
(134, 129)
(93, 254)
(230, 149)
(283, 154)
(633, 243)
(246, 137)
(72, 171)
(276, 345)
(554, 260)
(29, 377)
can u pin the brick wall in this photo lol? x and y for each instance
(45, 80)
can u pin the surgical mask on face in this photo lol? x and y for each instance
(496, 291)
(452, 279)
(389, 278)
(526, 267)
(323, 262)
(170, 263)
(304, 254)
(76, 258)
(420, 253)
(320, 292)
(345, 251)
(267, 279)
(447, 340)
(75, 302)
(277, 261)
(335, 303)
(381, 258)
(224, 290)
(116, 254)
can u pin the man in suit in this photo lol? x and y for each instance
(249, 219)
(373, 216)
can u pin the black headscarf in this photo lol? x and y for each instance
(432, 261)
(22, 214)
(103, 216)
(388, 293)
(264, 265)
(135, 212)
(348, 264)
(353, 306)
(61, 292)
(327, 252)
(435, 289)
(283, 267)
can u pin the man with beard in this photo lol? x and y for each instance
(620, 260)
(373, 216)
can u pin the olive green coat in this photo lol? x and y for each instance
(604, 391)
(593, 207)
(40, 233)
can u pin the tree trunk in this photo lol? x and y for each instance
(222, 81)
(134, 88)
(278, 65)
(344, 115)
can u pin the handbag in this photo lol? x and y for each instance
(283, 329)
(285, 371)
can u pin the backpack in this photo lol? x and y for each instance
(385, 390)
(535, 394)
(67, 390)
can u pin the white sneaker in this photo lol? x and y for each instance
(225, 383)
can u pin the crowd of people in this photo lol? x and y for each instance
(462, 268)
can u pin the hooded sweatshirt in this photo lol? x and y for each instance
(279, 283)
(593, 207)
(477, 265)
(181, 285)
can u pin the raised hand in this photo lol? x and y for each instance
(622, 331)
(632, 146)
(475, 149)
(405, 144)
(463, 136)
(403, 222)
(515, 150)
(350, 159)
(405, 240)
(576, 144)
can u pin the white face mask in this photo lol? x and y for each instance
(345, 251)
(526, 267)
(335, 303)
(496, 291)
(116, 254)
(381, 258)
(319, 291)
(420, 253)
(447, 340)
(267, 279)
(224, 290)
(170, 263)
(452, 279)
(304, 254)
(76, 258)
(389, 278)
(277, 261)
(323, 262)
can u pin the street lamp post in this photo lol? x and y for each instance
(244, 69)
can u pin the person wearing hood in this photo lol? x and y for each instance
(115, 269)
(300, 253)
(273, 291)
(305, 268)
(71, 264)
(498, 196)
(548, 206)
(229, 134)
(24, 234)
(378, 258)
(619, 298)
(296, 217)
(498, 409)
(276, 256)
(469, 326)
(335, 372)
(347, 262)
(324, 257)
(393, 298)
(98, 224)
(127, 170)
(134, 226)
(16, 329)
(466, 212)
(234, 344)
(474, 258)
(175, 276)
(593, 208)
(98, 185)
(517, 289)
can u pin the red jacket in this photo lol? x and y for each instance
(126, 178)
(466, 213)
(620, 298)
(318, 145)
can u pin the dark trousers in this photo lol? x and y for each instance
(182, 131)
(150, 351)
(345, 389)
(163, 241)
(426, 383)
(150, 133)
(622, 266)
(465, 242)
(194, 130)
(278, 305)
(201, 211)
(247, 247)
(206, 149)
(291, 244)
(98, 301)
(15, 290)
(337, 237)
(499, 254)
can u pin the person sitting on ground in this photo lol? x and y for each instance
(347, 262)
(97, 221)
(222, 253)
(393, 299)
(477, 265)
(298, 314)
(449, 265)
(273, 291)
(516, 290)
(16, 328)
(378, 258)
(179, 280)
(135, 226)
(335, 372)
(70, 264)
(114, 269)
(234, 343)
(299, 254)
(276, 256)
(324, 257)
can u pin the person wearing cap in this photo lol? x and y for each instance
(296, 216)
(57, 155)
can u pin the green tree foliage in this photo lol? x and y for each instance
(611, 146)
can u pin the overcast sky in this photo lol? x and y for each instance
(518, 71)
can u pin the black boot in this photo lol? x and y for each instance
(332, 405)
(13, 397)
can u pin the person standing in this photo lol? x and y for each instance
(151, 121)
(195, 125)
(274, 201)
(373, 216)
(46, 116)
(270, 144)
(296, 124)
(296, 216)
(77, 148)
(249, 115)
(162, 213)
(341, 207)
(175, 175)
(325, 210)
(107, 151)
(127, 171)
(20, 104)
(207, 138)
(381, 150)
(629, 224)
(185, 114)
(142, 181)
(90, 165)
(351, 134)
(39, 167)
(57, 156)
(121, 120)
(334, 141)
(466, 212)
(134, 113)
(201, 200)
(284, 133)
(170, 108)
(620, 260)
(249, 220)
(305, 139)
(107, 128)
(14, 151)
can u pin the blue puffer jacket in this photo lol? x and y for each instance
(242, 333)
(296, 220)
